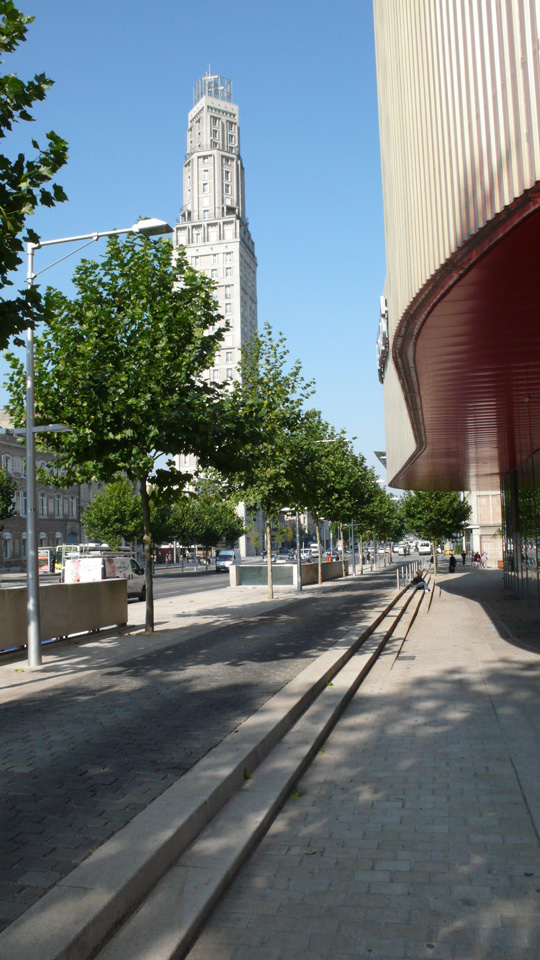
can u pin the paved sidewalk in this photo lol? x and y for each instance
(415, 833)
(108, 724)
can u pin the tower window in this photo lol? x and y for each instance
(228, 291)
(205, 174)
(205, 187)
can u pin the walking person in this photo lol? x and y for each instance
(463, 556)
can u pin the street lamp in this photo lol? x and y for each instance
(148, 228)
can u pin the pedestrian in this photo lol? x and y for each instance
(484, 559)
(463, 556)
(452, 564)
(418, 583)
(477, 559)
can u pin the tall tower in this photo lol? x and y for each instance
(213, 227)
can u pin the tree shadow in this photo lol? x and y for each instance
(85, 755)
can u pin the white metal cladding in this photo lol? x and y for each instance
(459, 92)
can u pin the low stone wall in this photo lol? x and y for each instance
(65, 609)
(284, 574)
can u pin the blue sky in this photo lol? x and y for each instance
(303, 75)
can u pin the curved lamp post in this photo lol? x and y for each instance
(147, 228)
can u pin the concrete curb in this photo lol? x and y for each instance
(75, 917)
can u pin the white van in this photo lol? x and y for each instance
(424, 548)
(226, 559)
(91, 568)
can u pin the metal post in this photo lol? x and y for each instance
(298, 557)
(353, 551)
(32, 575)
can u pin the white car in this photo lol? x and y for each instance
(424, 548)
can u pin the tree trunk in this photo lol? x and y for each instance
(319, 554)
(269, 559)
(342, 551)
(147, 540)
(434, 552)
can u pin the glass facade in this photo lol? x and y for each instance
(520, 493)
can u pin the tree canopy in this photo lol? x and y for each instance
(207, 518)
(123, 364)
(114, 514)
(8, 490)
(24, 183)
(435, 514)
(268, 402)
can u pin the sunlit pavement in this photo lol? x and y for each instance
(107, 724)
(415, 833)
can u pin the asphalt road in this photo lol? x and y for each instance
(82, 759)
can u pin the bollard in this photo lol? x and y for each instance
(397, 575)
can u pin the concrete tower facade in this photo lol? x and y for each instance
(213, 228)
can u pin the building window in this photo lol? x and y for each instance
(73, 508)
(213, 274)
(228, 356)
(185, 459)
(228, 271)
(215, 121)
(205, 187)
(43, 539)
(206, 215)
(229, 373)
(7, 462)
(231, 138)
(58, 506)
(228, 308)
(197, 236)
(228, 258)
(215, 374)
(8, 546)
(227, 189)
(194, 261)
(42, 505)
(22, 496)
(228, 291)
(23, 546)
(227, 174)
(214, 258)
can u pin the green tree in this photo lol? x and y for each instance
(8, 490)
(113, 514)
(206, 518)
(24, 183)
(122, 363)
(268, 400)
(435, 515)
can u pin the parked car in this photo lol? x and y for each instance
(424, 548)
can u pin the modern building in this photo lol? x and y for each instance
(214, 230)
(459, 334)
